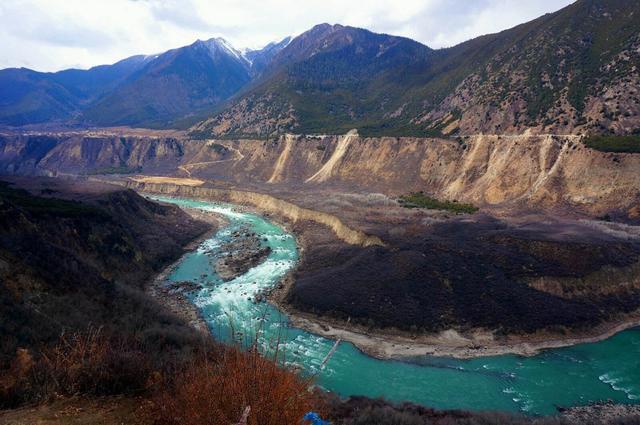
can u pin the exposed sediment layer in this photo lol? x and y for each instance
(541, 171)
(324, 173)
(276, 176)
(264, 202)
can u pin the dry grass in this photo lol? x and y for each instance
(91, 363)
(238, 383)
(214, 386)
(83, 363)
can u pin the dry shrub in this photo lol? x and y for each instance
(216, 386)
(15, 382)
(223, 389)
(82, 363)
(92, 363)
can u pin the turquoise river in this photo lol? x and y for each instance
(533, 385)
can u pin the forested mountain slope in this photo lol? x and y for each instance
(575, 70)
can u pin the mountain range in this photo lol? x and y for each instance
(150, 91)
(572, 71)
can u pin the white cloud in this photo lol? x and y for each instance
(55, 34)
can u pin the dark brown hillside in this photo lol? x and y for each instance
(78, 255)
(469, 274)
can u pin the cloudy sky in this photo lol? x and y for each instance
(49, 35)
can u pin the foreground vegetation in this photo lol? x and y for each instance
(612, 143)
(420, 200)
(214, 385)
(233, 384)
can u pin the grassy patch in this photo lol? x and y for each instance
(610, 143)
(219, 149)
(420, 200)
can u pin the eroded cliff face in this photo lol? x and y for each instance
(263, 202)
(534, 171)
(539, 171)
(78, 153)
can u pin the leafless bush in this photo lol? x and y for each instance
(81, 363)
(236, 384)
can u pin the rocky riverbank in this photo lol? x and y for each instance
(174, 295)
(602, 413)
(394, 344)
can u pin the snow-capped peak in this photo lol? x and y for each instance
(250, 54)
(246, 54)
(218, 44)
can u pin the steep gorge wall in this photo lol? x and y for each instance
(542, 171)
(78, 153)
(262, 201)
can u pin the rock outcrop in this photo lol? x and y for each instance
(243, 252)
